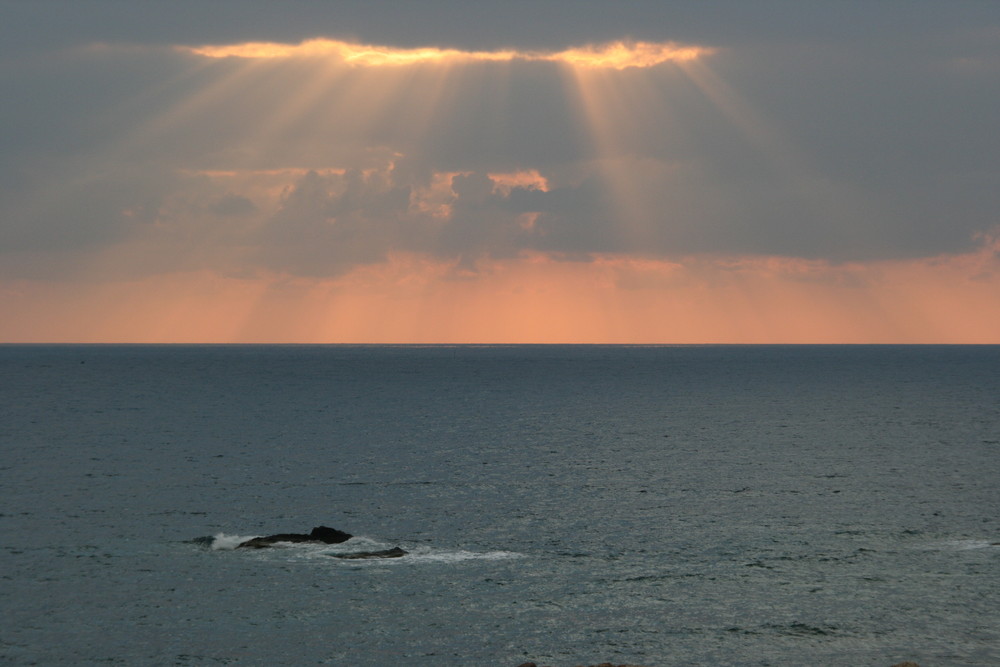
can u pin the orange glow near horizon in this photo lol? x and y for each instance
(617, 55)
(533, 299)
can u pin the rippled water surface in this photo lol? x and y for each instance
(655, 505)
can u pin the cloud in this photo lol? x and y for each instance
(231, 205)
(325, 224)
(639, 132)
(617, 55)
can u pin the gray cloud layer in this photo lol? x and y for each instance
(872, 135)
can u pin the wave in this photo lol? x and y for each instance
(967, 545)
(432, 555)
(415, 554)
(224, 542)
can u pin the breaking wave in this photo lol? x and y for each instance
(415, 554)
(967, 545)
(224, 542)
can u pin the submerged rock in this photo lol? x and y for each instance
(395, 552)
(321, 534)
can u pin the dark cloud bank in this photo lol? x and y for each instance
(889, 110)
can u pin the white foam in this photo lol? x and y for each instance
(462, 555)
(359, 543)
(223, 542)
(421, 554)
(966, 545)
(432, 555)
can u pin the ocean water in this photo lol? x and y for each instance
(720, 505)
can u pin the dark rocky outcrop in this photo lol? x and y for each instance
(319, 534)
(395, 552)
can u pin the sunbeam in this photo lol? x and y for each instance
(349, 191)
(623, 113)
(821, 204)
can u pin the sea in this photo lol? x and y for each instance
(567, 505)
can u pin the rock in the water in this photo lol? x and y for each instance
(321, 534)
(395, 552)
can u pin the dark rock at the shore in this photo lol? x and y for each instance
(321, 534)
(395, 552)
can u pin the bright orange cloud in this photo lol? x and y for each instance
(622, 55)
(529, 179)
(353, 54)
(615, 55)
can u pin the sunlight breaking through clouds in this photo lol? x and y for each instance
(617, 55)
(638, 181)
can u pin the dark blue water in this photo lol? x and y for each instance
(656, 505)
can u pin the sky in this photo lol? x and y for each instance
(521, 172)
